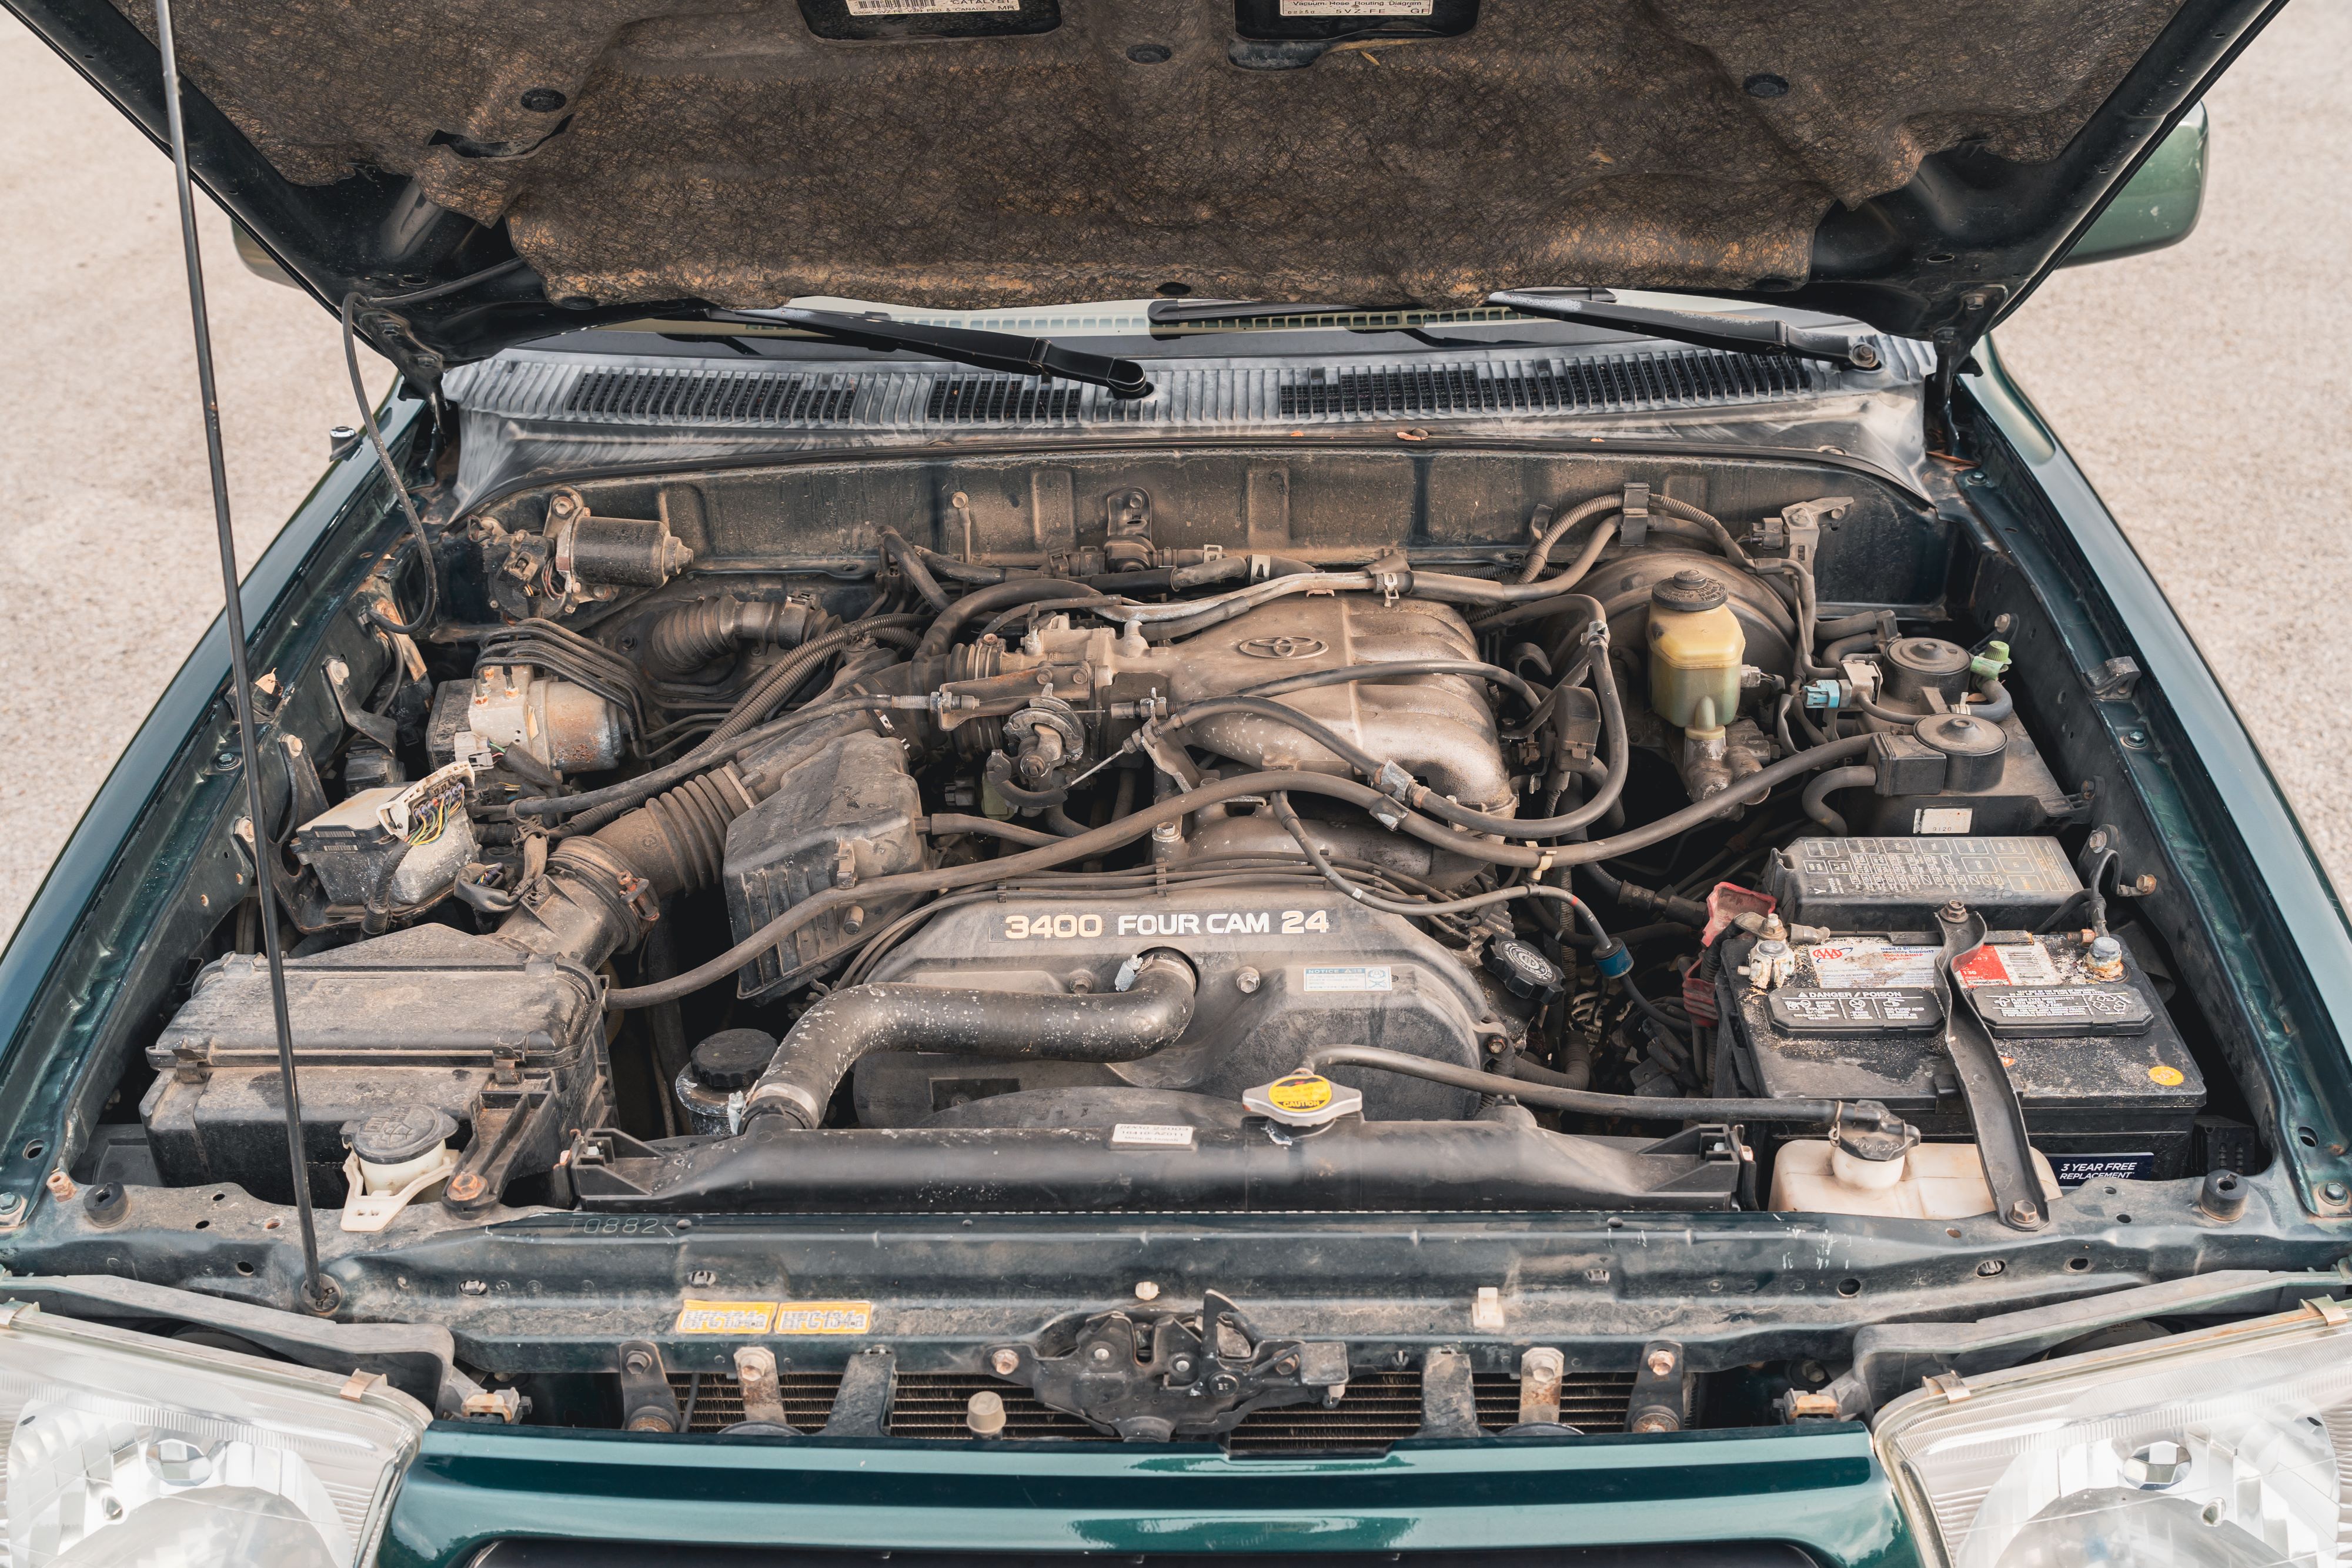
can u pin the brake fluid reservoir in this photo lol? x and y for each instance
(1695, 651)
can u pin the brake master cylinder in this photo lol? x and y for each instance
(1695, 651)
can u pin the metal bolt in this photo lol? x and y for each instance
(2336, 1192)
(2156, 1465)
(12, 1203)
(1656, 1421)
(2136, 737)
(473, 1288)
(2023, 1212)
(638, 1361)
(852, 919)
(1660, 1362)
(1004, 1362)
(224, 758)
(1165, 832)
(1813, 1372)
(1248, 981)
(984, 1413)
(1146, 1291)
(1990, 1266)
(1100, 1354)
(61, 1186)
(1181, 1366)
(2144, 884)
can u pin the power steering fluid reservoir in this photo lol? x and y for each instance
(1695, 651)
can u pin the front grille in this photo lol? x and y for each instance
(711, 396)
(1693, 376)
(713, 1401)
(1379, 1408)
(931, 1404)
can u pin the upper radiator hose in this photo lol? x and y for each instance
(1116, 1026)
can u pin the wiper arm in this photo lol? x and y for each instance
(1173, 313)
(961, 345)
(1736, 334)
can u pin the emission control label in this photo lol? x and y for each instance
(1349, 978)
(1359, 8)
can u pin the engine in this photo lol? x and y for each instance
(1361, 881)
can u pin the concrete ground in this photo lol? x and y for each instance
(2205, 389)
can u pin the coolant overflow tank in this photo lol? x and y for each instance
(1696, 652)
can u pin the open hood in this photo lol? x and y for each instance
(1913, 166)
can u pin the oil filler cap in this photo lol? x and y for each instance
(733, 1059)
(1524, 971)
(1303, 1099)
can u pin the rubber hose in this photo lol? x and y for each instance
(1998, 703)
(1577, 1075)
(1540, 556)
(681, 641)
(855, 1022)
(1838, 650)
(1580, 1102)
(1632, 895)
(943, 632)
(1847, 625)
(1817, 793)
(677, 841)
(910, 565)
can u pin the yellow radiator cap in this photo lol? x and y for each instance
(1303, 1099)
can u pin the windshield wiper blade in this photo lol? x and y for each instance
(1734, 334)
(961, 345)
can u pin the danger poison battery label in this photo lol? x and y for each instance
(1804, 1010)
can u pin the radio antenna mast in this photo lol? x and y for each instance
(319, 1292)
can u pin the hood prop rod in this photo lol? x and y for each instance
(319, 1292)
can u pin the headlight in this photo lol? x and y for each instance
(2225, 1449)
(130, 1451)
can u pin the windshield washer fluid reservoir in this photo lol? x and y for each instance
(1695, 651)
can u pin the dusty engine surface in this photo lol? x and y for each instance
(1439, 726)
(1279, 974)
(766, 885)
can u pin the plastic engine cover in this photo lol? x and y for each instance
(426, 1017)
(1281, 972)
(845, 816)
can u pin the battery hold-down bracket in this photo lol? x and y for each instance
(1151, 1379)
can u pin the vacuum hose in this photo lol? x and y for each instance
(831, 1037)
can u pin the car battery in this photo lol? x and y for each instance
(2109, 1087)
